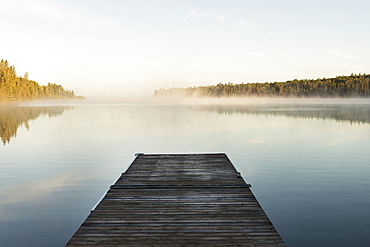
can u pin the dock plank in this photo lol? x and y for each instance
(178, 200)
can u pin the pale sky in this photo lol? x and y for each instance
(121, 48)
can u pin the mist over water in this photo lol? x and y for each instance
(222, 101)
(307, 160)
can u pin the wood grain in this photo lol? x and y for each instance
(178, 200)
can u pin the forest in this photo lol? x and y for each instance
(340, 86)
(15, 88)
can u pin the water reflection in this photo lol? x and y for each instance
(353, 113)
(32, 191)
(13, 117)
(296, 162)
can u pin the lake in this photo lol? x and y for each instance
(308, 161)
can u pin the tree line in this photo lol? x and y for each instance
(340, 86)
(15, 88)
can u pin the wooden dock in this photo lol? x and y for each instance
(178, 200)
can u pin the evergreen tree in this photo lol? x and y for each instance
(340, 86)
(14, 88)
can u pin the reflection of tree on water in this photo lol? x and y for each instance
(354, 113)
(12, 117)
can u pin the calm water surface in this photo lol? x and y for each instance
(308, 163)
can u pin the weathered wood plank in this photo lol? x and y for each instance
(178, 200)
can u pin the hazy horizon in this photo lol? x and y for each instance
(194, 101)
(131, 48)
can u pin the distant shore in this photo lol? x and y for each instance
(353, 86)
